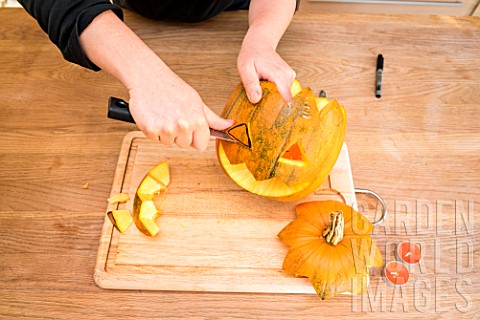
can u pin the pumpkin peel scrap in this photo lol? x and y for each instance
(333, 264)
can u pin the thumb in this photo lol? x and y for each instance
(284, 90)
(215, 121)
(249, 77)
(284, 83)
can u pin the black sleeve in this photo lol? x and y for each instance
(64, 21)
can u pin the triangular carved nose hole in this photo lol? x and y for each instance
(295, 156)
(241, 133)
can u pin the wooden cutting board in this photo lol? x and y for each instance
(214, 236)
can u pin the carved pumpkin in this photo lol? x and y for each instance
(293, 146)
(330, 243)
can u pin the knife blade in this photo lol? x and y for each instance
(118, 109)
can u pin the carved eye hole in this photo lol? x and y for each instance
(241, 133)
(294, 156)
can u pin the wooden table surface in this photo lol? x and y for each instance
(418, 146)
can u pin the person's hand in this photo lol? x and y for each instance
(168, 110)
(163, 106)
(258, 60)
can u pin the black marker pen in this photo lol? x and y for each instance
(378, 76)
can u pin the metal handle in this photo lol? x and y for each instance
(380, 199)
(118, 109)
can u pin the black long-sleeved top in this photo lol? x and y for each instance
(64, 20)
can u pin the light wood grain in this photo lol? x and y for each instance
(424, 7)
(417, 146)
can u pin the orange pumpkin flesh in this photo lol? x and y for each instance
(294, 146)
(119, 197)
(332, 269)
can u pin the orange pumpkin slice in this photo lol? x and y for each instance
(148, 199)
(121, 219)
(330, 243)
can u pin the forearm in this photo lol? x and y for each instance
(91, 33)
(258, 59)
(65, 20)
(116, 49)
(268, 19)
(164, 106)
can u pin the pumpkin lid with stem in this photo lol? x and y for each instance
(330, 243)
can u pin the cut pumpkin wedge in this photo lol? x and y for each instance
(148, 198)
(121, 219)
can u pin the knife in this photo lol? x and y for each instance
(118, 109)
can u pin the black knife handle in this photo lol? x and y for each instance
(118, 109)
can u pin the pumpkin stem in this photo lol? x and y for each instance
(333, 233)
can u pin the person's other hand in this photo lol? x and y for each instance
(258, 60)
(168, 110)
